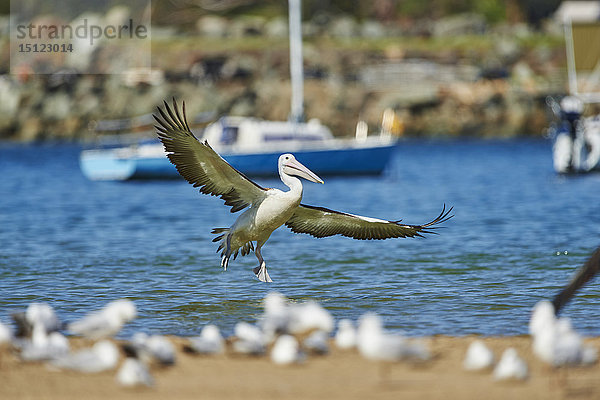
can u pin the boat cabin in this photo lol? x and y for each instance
(246, 132)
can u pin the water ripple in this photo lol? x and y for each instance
(518, 235)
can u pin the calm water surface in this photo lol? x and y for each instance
(519, 233)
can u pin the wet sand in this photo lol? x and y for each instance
(339, 375)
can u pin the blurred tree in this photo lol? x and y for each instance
(493, 10)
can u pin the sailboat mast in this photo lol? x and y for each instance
(296, 68)
(571, 68)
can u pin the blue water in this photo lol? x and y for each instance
(518, 234)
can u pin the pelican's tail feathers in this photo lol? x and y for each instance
(261, 273)
(222, 231)
(224, 246)
(247, 247)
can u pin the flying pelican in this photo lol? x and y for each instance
(201, 166)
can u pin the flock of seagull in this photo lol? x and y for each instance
(286, 332)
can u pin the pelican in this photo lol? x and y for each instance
(268, 208)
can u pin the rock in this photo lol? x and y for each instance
(344, 27)
(212, 26)
(57, 106)
(277, 28)
(459, 24)
(247, 26)
(372, 29)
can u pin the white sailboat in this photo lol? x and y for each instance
(576, 146)
(253, 145)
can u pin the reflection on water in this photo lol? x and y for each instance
(78, 244)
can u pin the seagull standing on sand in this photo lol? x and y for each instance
(210, 341)
(106, 322)
(554, 339)
(201, 166)
(102, 356)
(154, 349)
(40, 314)
(286, 350)
(375, 344)
(134, 372)
(478, 357)
(345, 337)
(6, 335)
(249, 339)
(511, 366)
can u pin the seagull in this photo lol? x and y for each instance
(210, 341)
(40, 314)
(374, 343)
(151, 349)
(6, 334)
(105, 322)
(102, 356)
(511, 366)
(44, 346)
(317, 342)
(554, 339)
(286, 350)
(294, 318)
(478, 357)
(134, 372)
(268, 209)
(345, 337)
(248, 339)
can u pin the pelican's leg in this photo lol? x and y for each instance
(261, 270)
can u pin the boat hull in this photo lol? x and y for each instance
(109, 165)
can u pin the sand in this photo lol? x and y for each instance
(339, 375)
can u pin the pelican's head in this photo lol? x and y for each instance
(290, 166)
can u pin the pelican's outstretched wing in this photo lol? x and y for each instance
(583, 275)
(200, 165)
(322, 222)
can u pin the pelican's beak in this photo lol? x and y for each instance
(294, 167)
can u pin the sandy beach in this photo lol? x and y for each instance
(338, 375)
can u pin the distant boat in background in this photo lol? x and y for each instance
(576, 147)
(253, 145)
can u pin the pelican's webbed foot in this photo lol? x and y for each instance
(261, 273)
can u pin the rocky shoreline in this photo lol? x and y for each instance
(454, 82)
